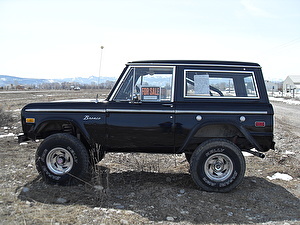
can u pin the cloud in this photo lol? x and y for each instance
(252, 7)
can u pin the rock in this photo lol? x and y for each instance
(184, 212)
(25, 189)
(119, 206)
(132, 194)
(170, 218)
(124, 222)
(61, 200)
(98, 187)
(30, 204)
(230, 214)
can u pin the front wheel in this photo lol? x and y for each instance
(63, 159)
(217, 165)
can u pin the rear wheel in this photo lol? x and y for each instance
(217, 165)
(63, 159)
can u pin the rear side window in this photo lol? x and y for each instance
(219, 84)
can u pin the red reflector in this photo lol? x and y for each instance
(260, 124)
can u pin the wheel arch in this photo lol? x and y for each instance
(229, 130)
(63, 125)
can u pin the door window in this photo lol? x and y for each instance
(147, 84)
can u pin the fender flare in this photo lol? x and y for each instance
(74, 123)
(239, 126)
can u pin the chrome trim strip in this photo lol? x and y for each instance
(219, 112)
(189, 64)
(218, 97)
(68, 110)
(139, 111)
(145, 111)
(186, 111)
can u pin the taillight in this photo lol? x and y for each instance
(260, 123)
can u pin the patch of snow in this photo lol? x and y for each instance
(7, 135)
(280, 176)
(23, 143)
(289, 152)
(287, 101)
(247, 154)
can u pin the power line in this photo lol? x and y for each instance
(287, 44)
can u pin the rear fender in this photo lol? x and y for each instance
(219, 129)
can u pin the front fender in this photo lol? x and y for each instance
(52, 125)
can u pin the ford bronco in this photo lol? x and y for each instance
(210, 111)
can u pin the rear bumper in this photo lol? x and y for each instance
(273, 145)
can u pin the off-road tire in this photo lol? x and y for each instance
(62, 159)
(217, 165)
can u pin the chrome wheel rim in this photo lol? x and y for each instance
(59, 161)
(218, 167)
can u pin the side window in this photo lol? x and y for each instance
(250, 87)
(147, 84)
(222, 84)
(125, 90)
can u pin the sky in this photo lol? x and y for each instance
(63, 38)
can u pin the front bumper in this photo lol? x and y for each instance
(22, 138)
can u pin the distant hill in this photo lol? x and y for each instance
(8, 80)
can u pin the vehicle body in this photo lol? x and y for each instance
(201, 108)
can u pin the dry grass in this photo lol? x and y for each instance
(5, 117)
(142, 188)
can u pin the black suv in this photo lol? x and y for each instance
(209, 110)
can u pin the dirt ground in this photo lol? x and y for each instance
(144, 188)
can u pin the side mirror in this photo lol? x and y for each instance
(135, 99)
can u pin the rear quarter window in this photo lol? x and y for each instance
(219, 84)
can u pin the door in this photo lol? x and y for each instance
(140, 114)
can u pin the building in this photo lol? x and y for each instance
(271, 86)
(291, 85)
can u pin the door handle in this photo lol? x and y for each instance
(168, 105)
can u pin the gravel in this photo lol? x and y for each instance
(149, 188)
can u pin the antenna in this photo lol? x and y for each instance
(97, 98)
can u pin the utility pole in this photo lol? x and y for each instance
(102, 47)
